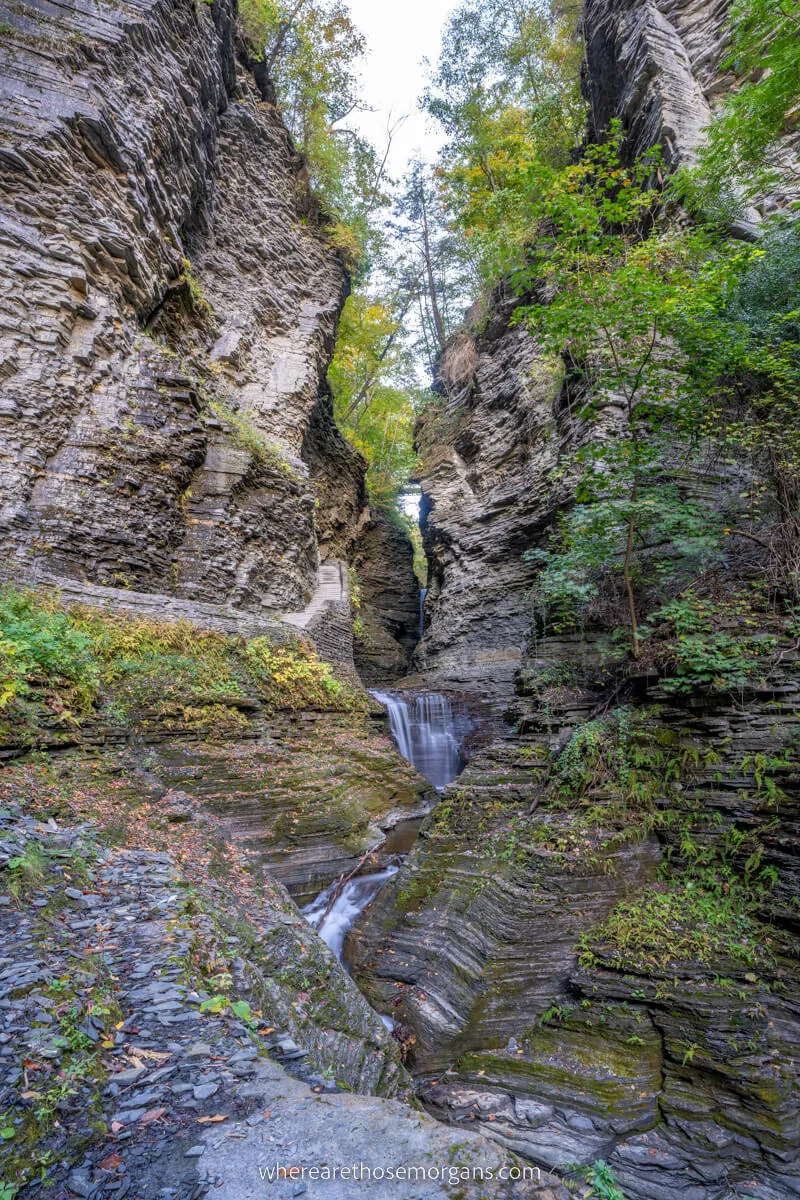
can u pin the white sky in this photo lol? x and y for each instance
(399, 36)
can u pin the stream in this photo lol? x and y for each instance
(428, 731)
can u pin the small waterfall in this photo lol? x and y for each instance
(428, 732)
(422, 594)
(349, 904)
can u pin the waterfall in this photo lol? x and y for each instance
(422, 594)
(351, 902)
(428, 732)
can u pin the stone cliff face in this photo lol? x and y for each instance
(389, 593)
(169, 309)
(678, 1067)
(489, 456)
(658, 66)
(486, 457)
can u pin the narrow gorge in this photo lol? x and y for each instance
(448, 864)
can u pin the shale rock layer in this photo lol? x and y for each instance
(169, 303)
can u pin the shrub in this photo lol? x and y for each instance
(66, 663)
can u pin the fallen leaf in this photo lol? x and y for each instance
(154, 1055)
(111, 1163)
(30, 1065)
(152, 1114)
(30, 1095)
(116, 1126)
(215, 1120)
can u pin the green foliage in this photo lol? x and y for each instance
(293, 676)
(506, 92)
(27, 870)
(618, 756)
(41, 641)
(373, 385)
(661, 326)
(311, 49)
(735, 166)
(247, 435)
(717, 645)
(581, 570)
(620, 292)
(62, 666)
(685, 922)
(601, 1179)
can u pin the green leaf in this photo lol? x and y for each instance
(215, 1004)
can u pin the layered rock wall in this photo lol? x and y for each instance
(169, 309)
(677, 1066)
(522, 1013)
(487, 454)
(389, 600)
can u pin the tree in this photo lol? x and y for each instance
(506, 92)
(374, 388)
(311, 49)
(619, 294)
(429, 256)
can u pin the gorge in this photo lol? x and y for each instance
(309, 859)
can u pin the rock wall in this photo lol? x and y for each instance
(658, 66)
(523, 1015)
(496, 455)
(169, 305)
(679, 1069)
(389, 600)
(486, 457)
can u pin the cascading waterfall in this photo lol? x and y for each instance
(354, 897)
(428, 732)
(423, 592)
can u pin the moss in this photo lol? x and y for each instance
(248, 436)
(682, 922)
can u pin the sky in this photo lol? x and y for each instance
(399, 36)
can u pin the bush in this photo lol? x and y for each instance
(63, 664)
(37, 641)
(706, 654)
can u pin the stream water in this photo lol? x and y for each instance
(353, 899)
(429, 731)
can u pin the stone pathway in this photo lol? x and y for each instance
(332, 588)
(128, 1069)
(101, 1030)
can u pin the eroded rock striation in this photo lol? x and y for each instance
(569, 1040)
(169, 307)
(389, 600)
(486, 460)
(566, 1034)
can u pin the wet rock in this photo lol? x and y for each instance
(389, 610)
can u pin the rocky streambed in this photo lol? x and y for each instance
(171, 1027)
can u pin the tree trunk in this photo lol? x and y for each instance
(627, 568)
(441, 336)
